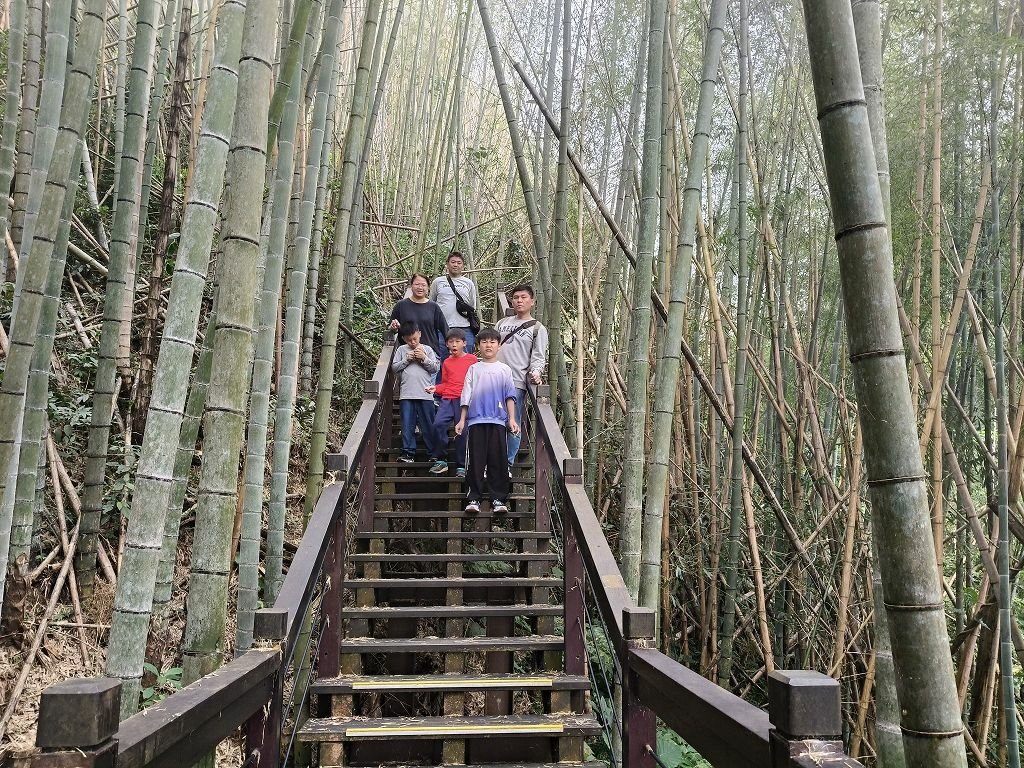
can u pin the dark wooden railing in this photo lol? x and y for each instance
(803, 724)
(78, 718)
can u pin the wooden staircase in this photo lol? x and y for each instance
(452, 649)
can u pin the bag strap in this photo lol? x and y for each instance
(518, 328)
(456, 290)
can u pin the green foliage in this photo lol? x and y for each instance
(166, 682)
(676, 753)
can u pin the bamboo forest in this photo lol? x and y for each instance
(772, 257)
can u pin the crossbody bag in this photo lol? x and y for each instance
(464, 308)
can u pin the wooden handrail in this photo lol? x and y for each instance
(245, 692)
(724, 728)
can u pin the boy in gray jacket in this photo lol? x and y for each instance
(524, 349)
(417, 364)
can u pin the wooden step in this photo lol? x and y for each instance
(445, 535)
(429, 477)
(440, 496)
(346, 684)
(478, 644)
(437, 514)
(451, 611)
(497, 580)
(424, 463)
(441, 557)
(337, 729)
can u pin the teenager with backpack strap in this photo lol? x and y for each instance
(458, 298)
(524, 349)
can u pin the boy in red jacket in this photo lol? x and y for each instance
(453, 376)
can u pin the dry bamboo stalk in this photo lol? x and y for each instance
(755, 567)
(846, 582)
(58, 499)
(40, 634)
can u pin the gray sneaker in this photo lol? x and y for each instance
(439, 468)
(460, 473)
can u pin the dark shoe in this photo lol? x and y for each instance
(405, 458)
(499, 507)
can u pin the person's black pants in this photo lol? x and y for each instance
(488, 458)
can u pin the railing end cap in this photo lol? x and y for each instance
(637, 623)
(371, 389)
(804, 703)
(79, 713)
(270, 624)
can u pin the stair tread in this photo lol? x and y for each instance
(450, 682)
(450, 644)
(428, 477)
(350, 728)
(432, 514)
(421, 582)
(439, 495)
(442, 557)
(451, 611)
(444, 535)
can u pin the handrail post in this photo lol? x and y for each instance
(329, 656)
(263, 729)
(639, 725)
(806, 718)
(78, 721)
(574, 575)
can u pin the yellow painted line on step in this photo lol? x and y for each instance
(526, 682)
(442, 730)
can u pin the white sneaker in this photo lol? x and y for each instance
(499, 507)
(473, 506)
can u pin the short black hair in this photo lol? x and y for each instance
(523, 287)
(407, 329)
(488, 333)
(455, 333)
(454, 255)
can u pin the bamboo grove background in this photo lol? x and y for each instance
(214, 204)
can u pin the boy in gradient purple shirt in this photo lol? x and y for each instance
(489, 412)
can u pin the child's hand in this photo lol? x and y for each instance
(431, 389)
(513, 425)
(418, 354)
(460, 427)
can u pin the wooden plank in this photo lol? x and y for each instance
(724, 728)
(449, 611)
(450, 644)
(347, 729)
(422, 514)
(498, 580)
(199, 716)
(344, 684)
(445, 535)
(458, 557)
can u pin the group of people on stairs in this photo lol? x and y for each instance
(455, 373)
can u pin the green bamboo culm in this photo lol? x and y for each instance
(47, 126)
(36, 266)
(159, 460)
(1007, 686)
(124, 232)
(30, 71)
(522, 164)
(667, 375)
(933, 732)
(298, 262)
(353, 149)
(262, 373)
(640, 317)
(868, 28)
(12, 108)
(739, 382)
(224, 419)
